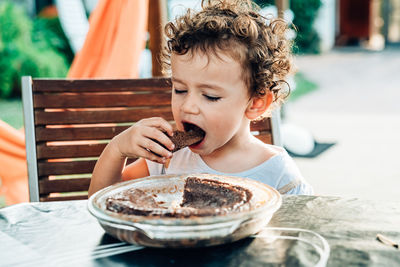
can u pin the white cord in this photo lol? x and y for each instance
(323, 252)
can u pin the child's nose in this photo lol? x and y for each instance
(189, 105)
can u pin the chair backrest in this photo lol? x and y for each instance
(69, 122)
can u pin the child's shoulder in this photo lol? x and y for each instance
(271, 151)
(274, 149)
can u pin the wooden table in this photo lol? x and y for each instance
(64, 233)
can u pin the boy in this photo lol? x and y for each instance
(228, 64)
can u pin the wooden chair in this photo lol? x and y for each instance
(69, 122)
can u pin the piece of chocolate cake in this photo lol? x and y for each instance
(183, 139)
(206, 193)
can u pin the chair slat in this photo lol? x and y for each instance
(100, 116)
(100, 85)
(62, 198)
(61, 168)
(47, 186)
(80, 100)
(81, 133)
(69, 151)
(47, 168)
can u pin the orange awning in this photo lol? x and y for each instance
(116, 38)
(13, 169)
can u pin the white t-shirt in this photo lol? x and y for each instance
(279, 171)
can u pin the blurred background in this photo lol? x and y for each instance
(341, 122)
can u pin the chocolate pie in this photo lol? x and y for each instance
(201, 197)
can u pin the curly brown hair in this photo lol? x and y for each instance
(235, 27)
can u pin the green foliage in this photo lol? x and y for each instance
(48, 33)
(11, 112)
(13, 32)
(307, 39)
(305, 11)
(25, 51)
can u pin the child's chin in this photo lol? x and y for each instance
(198, 147)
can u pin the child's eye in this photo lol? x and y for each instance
(179, 91)
(212, 98)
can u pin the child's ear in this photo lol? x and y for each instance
(258, 105)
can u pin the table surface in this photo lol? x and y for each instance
(64, 233)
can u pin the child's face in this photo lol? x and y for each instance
(210, 93)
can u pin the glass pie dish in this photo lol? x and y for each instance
(193, 231)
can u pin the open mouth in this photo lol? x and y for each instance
(193, 129)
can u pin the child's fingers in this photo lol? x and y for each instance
(153, 157)
(156, 148)
(144, 136)
(160, 137)
(160, 123)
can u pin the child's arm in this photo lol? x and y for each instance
(136, 141)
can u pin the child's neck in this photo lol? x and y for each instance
(240, 154)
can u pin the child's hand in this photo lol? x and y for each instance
(140, 140)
